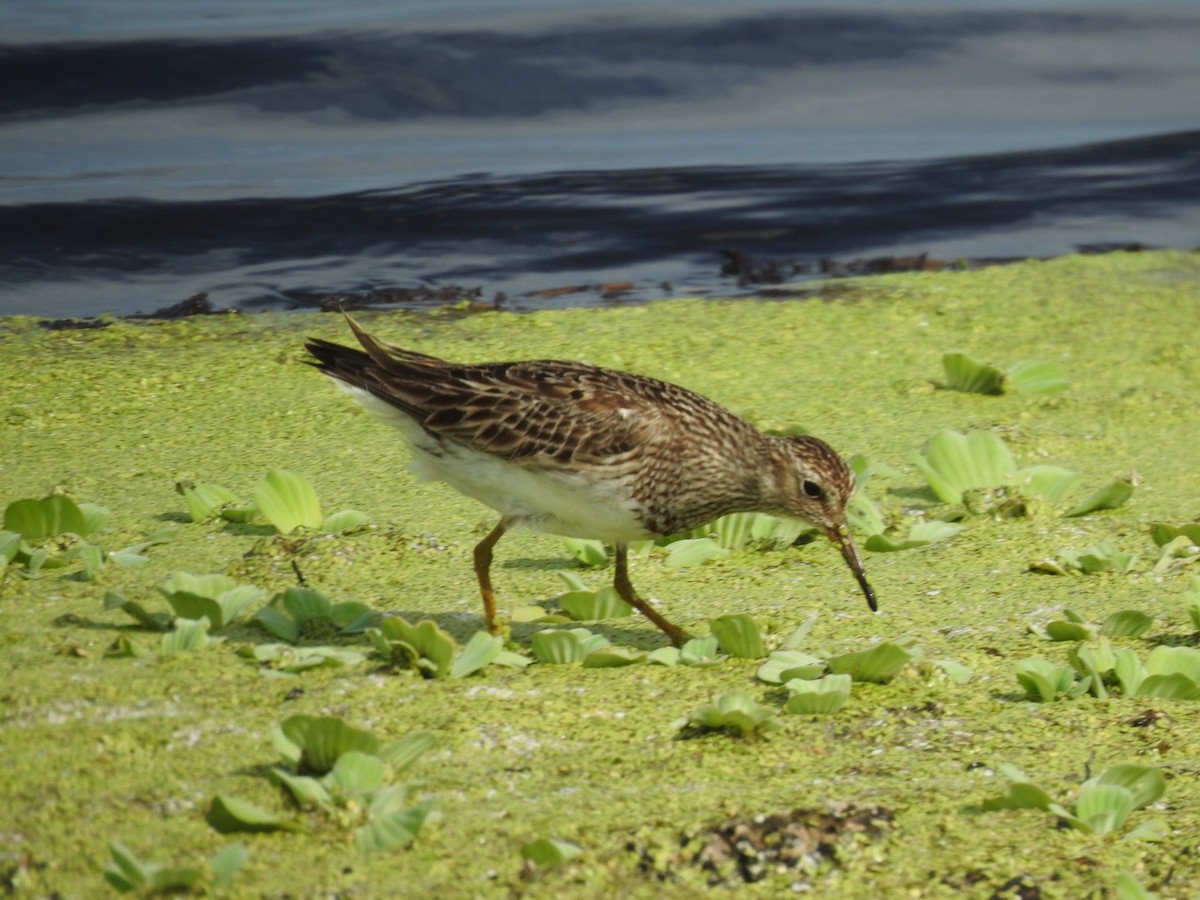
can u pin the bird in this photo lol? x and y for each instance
(582, 451)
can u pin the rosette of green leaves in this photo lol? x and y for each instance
(734, 712)
(1103, 805)
(302, 614)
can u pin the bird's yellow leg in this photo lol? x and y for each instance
(625, 588)
(483, 566)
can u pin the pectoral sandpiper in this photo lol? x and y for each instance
(576, 450)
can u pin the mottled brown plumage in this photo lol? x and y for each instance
(582, 451)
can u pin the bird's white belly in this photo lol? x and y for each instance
(570, 504)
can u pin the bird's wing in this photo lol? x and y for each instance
(550, 412)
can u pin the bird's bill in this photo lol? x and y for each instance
(841, 537)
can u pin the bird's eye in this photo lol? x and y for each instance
(812, 489)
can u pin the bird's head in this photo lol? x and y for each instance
(815, 485)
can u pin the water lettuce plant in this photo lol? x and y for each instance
(733, 712)
(822, 696)
(52, 532)
(1028, 376)
(184, 636)
(584, 605)
(1179, 546)
(288, 659)
(784, 665)
(286, 499)
(302, 614)
(1045, 682)
(187, 636)
(977, 470)
(433, 653)
(1168, 673)
(555, 646)
(128, 874)
(216, 597)
(1103, 557)
(1074, 627)
(1102, 806)
(700, 653)
(920, 534)
(344, 773)
(738, 636)
(878, 664)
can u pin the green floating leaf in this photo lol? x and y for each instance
(863, 515)
(797, 637)
(391, 831)
(878, 665)
(1145, 783)
(287, 500)
(693, 552)
(37, 520)
(10, 545)
(1032, 376)
(591, 553)
(1129, 888)
(204, 501)
(1052, 483)
(1093, 662)
(737, 531)
(188, 636)
(228, 815)
(127, 874)
(434, 647)
(480, 651)
(1101, 808)
(1021, 794)
(954, 463)
(321, 740)
(785, 665)
(1059, 630)
(355, 774)
(1164, 660)
(1042, 680)
(613, 658)
(920, 534)
(738, 635)
(217, 597)
(818, 698)
(403, 753)
(701, 653)
(605, 603)
(955, 671)
(225, 863)
(1163, 534)
(1110, 496)
(240, 515)
(1126, 624)
(964, 374)
(292, 659)
(546, 852)
(345, 520)
(663, 656)
(1103, 557)
(734, 712)
(556, 647)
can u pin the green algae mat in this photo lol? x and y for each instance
(177, 756)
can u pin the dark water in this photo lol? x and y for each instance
(271, 159)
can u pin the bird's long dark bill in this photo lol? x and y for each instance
(854, 561)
